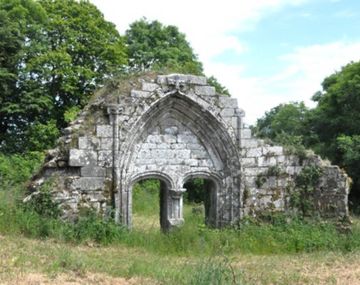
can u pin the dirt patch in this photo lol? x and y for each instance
(69, 279)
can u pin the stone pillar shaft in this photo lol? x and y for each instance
(116, 194)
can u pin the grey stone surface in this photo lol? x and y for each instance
(174, 130)
(92, 171)
(87, 184)
(204, 90)
(104, 131)
(78, 157)
(149, 87)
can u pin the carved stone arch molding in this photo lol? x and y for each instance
(178, 136)
(173, 128)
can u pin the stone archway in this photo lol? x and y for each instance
(166, 185)
(177, 136)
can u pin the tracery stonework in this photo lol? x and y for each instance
(174, 128)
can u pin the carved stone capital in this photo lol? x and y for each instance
(176, 193)
(114, 109)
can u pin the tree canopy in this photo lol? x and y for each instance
(53, 55)
(152, 45)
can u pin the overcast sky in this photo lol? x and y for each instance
(266, 52)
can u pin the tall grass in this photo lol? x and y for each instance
(194, 238)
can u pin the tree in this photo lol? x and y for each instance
(336, 121)
(20, 21)
(59, 63)
(284, 118)
(152, 45)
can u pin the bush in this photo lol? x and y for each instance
(16, 169)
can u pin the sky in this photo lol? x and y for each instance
(266, 52)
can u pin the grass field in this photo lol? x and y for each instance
(36, 250)
(33, 261)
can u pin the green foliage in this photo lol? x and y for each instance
(146, 197)
(17, 169)
(218, 87)
(292, 144)
(42, 136)
(273, 171)
(278, 235)
(213, 272)
(71, 114)
(42, 203)
(284, 118)
(260, 180)
(302, 196)
(152, 45)
(61, 52)
(336, 121)
(194, 191)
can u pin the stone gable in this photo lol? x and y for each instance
(174, 128)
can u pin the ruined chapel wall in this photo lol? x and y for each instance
(270, 176)
(195, 130)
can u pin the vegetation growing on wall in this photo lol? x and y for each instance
(302, 196)
(331, 129)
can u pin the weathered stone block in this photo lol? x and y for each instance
(88, 142)
(235, 123)
(207, 163)
(228, 102)
(192, 162)
(227, 112)
(204, 90)
(245, 133)
(104, 131)
(266, 161)
(171, 130)
(186, 139)
(254, 171)
(140, 94)
(183, 154)
(106, 144)
(273, 150)
(199, 154)
(150, 87)
(196, 80)
(254, 152)
(92, 171)
(105, 157)
(249, 143)
(154, 139)
(169, 139)
(79, 157)
(87, 184)
(193, 146)
(248, 161)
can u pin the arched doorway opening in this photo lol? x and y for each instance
(148, 202)
(200, 201)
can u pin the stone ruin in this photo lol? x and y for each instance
(175, 128)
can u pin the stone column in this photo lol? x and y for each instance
(118, 201)
(175, 207)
